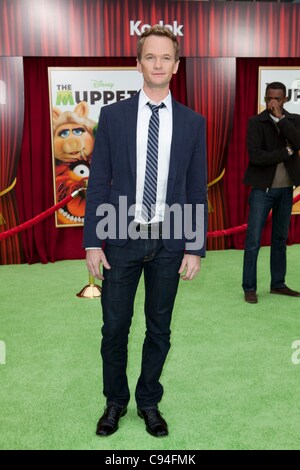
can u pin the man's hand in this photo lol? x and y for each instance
(94, 258)
(190, 267)
(298, 153)
(275, 108)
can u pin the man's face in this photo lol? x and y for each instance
(275, 99)
(158, 61)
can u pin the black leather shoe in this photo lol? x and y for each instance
(285, 291)
(108, 423)
(155, 424)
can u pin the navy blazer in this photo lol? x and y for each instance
(113, 169)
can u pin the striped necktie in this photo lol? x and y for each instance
(150, 186)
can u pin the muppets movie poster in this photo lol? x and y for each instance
(76, 97)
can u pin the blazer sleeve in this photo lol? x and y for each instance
(196, 193)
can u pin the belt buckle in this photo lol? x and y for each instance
(154, 230)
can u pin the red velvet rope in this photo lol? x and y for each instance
(36, 219)
(48, 212)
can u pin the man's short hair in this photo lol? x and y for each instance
(157, 30)
(276, 86)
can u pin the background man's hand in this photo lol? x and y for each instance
(275, 108)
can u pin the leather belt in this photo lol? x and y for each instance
(150, 228)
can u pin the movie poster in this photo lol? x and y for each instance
(290, 76)
(76, 97)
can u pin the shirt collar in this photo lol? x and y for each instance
(144, 100)
(276, 119)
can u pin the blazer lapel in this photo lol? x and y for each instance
(131, 126)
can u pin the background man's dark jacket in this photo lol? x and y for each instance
(266, 142)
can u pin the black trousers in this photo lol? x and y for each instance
(161, 277)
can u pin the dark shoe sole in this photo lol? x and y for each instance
(156, 435)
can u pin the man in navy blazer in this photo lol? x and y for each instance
(147, 143)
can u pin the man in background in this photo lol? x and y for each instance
(273, 141)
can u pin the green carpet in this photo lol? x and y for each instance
(229, 378)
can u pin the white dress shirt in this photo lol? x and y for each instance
(164, 151)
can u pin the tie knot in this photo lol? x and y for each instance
(156, 107)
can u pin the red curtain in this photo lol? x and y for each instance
(35, 193)
(211, 87)
(11, 124)
(246, 106)
(99, 28)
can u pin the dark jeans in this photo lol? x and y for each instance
(261, 202)
(118, 293)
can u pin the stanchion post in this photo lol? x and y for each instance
(91, 290)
